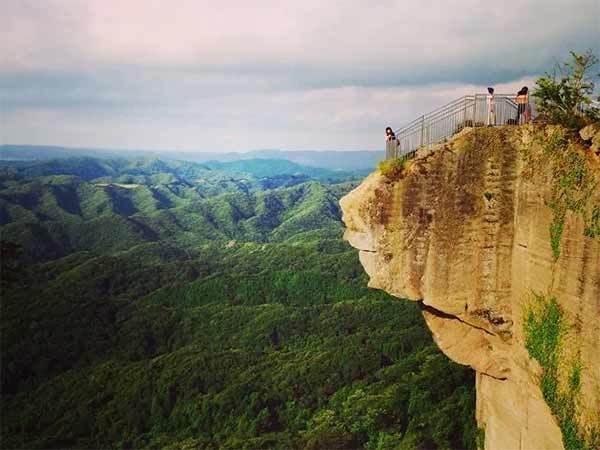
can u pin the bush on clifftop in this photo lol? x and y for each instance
(392, 168)
(565, 97)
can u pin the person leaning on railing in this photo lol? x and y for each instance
(391, 143)
(522, 106)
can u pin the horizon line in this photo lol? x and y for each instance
(114, 149)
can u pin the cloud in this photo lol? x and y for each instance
(300, 74)
(349, 41)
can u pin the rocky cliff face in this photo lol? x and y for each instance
(481, 231)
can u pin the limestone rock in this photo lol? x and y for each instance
(589, 131)
(466, 231)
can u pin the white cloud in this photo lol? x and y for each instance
(71, 34)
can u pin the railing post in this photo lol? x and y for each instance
(422, 131)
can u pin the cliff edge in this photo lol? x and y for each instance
(497, 234)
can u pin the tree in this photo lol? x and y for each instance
(10, 266)
(566, 96)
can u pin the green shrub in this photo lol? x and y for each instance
(480, 438)
(545, 328)
(392, 168)
(565, 96)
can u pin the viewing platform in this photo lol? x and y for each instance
(442, 123)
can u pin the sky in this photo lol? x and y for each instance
(236, 75)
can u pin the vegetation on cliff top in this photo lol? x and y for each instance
(392, 168)
(565, 97)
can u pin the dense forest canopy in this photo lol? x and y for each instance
(155, 303)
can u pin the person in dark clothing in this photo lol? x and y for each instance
(522, 102)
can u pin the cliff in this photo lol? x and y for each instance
(497, 234)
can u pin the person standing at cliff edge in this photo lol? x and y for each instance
(391, 143)
(491, 115)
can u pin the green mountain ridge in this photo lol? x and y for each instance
(273, 167)
(69, 214)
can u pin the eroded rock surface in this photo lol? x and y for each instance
(465, 231)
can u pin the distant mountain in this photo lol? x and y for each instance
(327, 159)
(268, 173)
(89, 168)
(335, 160)
(261, 168)
(11, 152)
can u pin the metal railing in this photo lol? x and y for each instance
(438, 125)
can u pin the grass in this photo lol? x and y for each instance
(556, 230)
(545, 330)
(488, 196)
(392, 168)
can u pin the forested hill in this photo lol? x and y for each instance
(107, 206)
(152, 303)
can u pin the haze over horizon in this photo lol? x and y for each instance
(191, 76)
